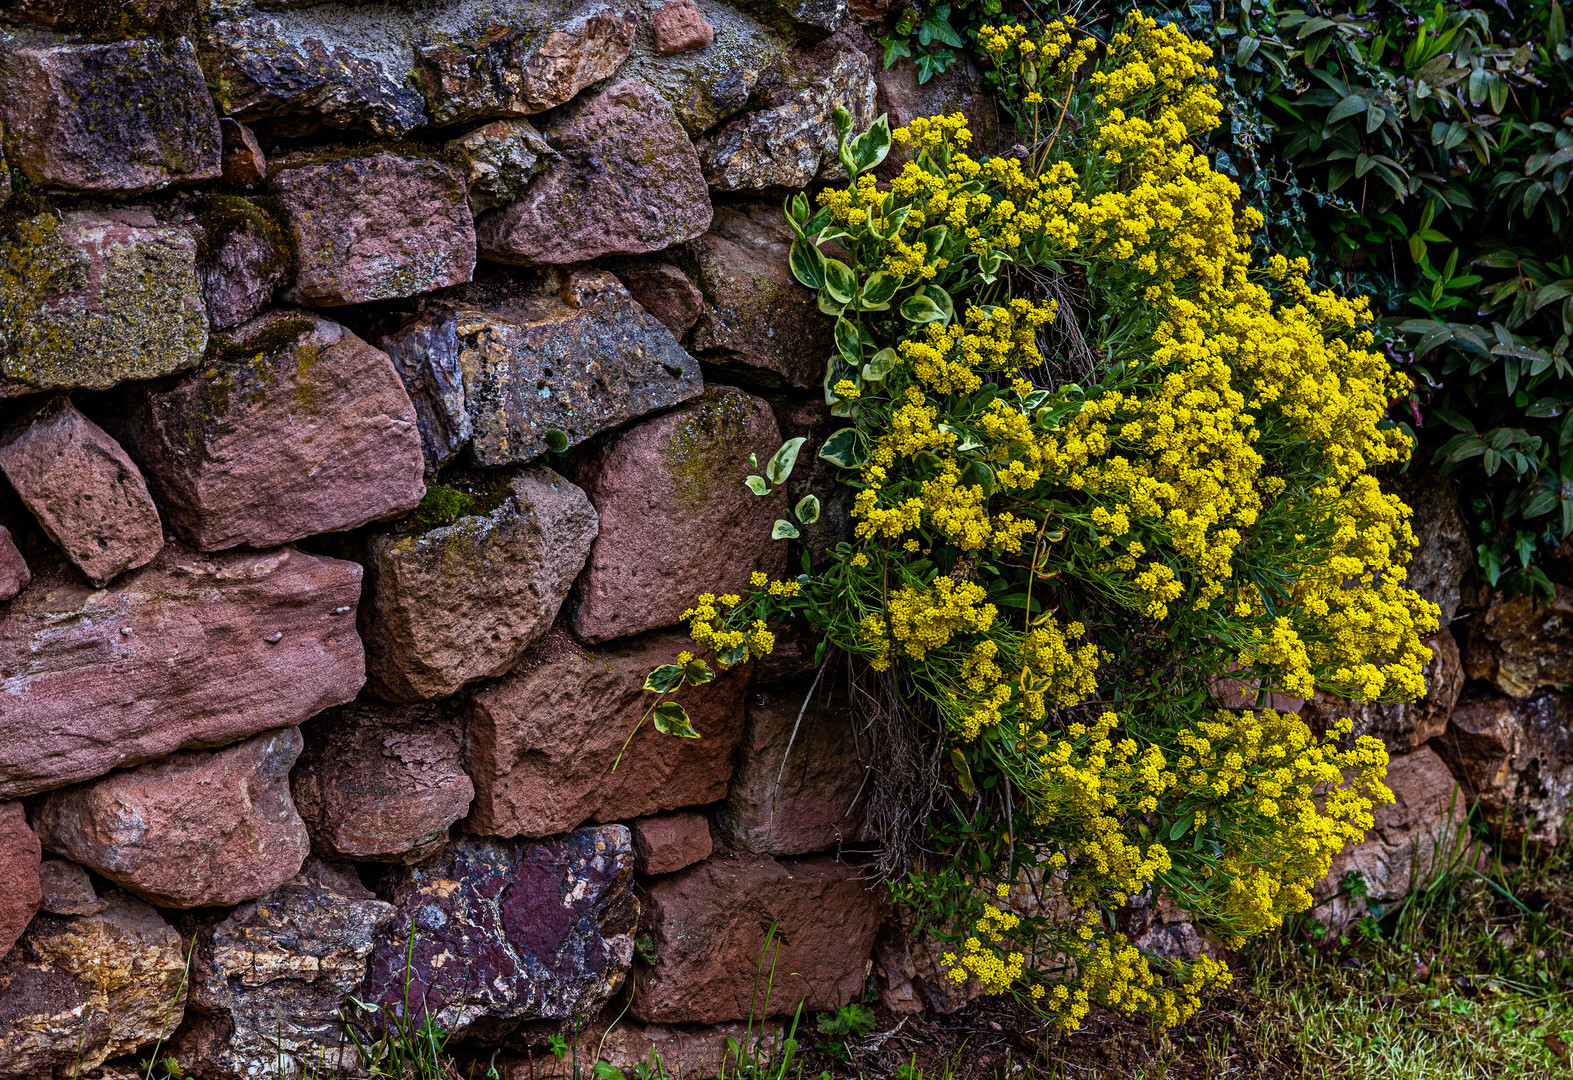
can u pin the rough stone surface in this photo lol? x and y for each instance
(665, 292)
(812, 804)
(542, 740)
(709, 924)
(265, 66)
(1399, 848)
(381, 783)
(792, 140)
(670, 842)
(130, 16)
(1521, 645)
(498, 160)
(498, 69)
(811, 19)
(19, 856)
(463, 600)
(505, 362)
(757, 323)
(376, 227)
(693, 1050)
(295, 427)
(1443, 553)
(14, 574)
(188, 651)
(1402, 726)
(242, 257)
(509, 932)
(1516, 757)
(119, 116)
(78, 990)
(268, 982)
(243, 161)
(627, 181)
(84, 490)
(194, 829)
(666, 489)
(708, 85)
(910, 977)
(67, 890)
(90, 299)
(678, 27)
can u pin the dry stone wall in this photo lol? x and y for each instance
(376, 386)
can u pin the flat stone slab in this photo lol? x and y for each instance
(543, 739)
(121, 116)
(89, 299)
(80, 989)
(85, 491)
(198, 828)
(268, 981)
(521, 66)
(294, 427)
(507, 933)
(666, 489)
(502, 364)
(380, 782)
(626, 181)
(462, 598)
(191, 650)
(709, 925)
(375, 227)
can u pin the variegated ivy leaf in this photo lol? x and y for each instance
(672, 719)
(757, 485)
(696, 672)
(779, 467)
(664, 678)
(879, 365)
(784, 530)
(807, 510)
(840, 281)
(846, 447)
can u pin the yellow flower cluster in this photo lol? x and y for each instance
(995, 969)
(710, 626)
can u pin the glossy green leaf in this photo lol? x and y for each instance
(664, 678)
(672, 719)
(879, 365)
(840, 282)
(696, 673)
(848, 343)
(878, 290)
(808, 264)
(846, 447)
(920, 309)
(779, 467)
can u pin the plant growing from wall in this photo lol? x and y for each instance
(1106, 465)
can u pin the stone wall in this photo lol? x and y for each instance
(376, 386)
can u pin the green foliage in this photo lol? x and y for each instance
(1421, 152)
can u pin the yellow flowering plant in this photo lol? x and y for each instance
(1106, 465)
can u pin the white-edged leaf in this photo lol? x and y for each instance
(672, 719)
(779, 467)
